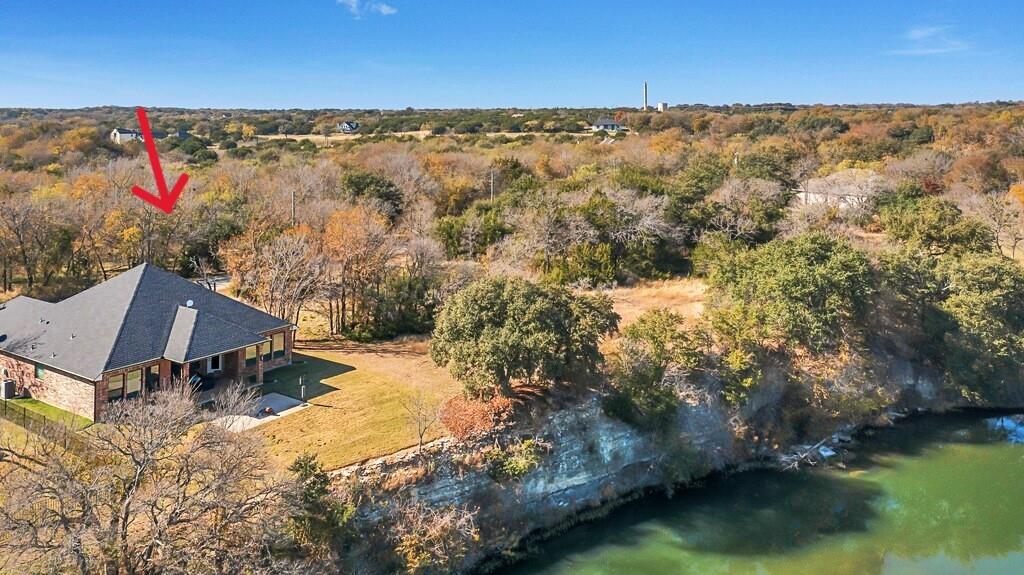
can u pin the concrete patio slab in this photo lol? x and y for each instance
(278, 405)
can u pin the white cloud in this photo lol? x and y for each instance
(360, 7)
(923, 32)
(929, 41)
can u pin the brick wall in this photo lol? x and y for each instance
(261, 366)
(89, 399)
(100, 398)
(286, 359)
(55, 388)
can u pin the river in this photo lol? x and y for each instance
(933, 495)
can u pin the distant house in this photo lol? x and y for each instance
(850, 188)
(607, 125)
(122, 136)
(662, 106)
(131, 335)
(347, 127)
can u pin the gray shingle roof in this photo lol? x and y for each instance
(140, 315)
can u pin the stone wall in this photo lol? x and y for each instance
(55, 388)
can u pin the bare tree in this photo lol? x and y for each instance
(432, 539)
(1002, 212)
(203, 268)
(285, 275)
(421, 411)
(747, 207)
(167, 490)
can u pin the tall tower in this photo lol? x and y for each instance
(645, 97)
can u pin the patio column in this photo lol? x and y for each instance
(259, 363)
(165, 373)
(239, 366)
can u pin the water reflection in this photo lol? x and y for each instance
(933, 495)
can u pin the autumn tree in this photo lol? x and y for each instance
(358, 246)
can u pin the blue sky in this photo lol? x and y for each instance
(501, 53)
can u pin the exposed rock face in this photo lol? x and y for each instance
(590, 460)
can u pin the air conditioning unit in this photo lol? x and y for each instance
(8, 389)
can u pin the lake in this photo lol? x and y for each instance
(935, 494)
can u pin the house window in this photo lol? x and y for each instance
(213, 364)
(278, 345)
(40, 371)
(133, 383)
(251, 355)
(115, 387)
(266, 351)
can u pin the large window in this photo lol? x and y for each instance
(115, 387)
(213, 364)
(251, 355)
(278, 344)
(133, 383)
(266, 351)
(40, 371)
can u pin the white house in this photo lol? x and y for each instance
(348, 127)
(851, 188)
(124, 135)
(608, 125)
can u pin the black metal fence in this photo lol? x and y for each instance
(51, 429)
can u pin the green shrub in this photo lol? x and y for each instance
(810, 291)
(500, 330)
(934, 225)
(649, 347)
(983, 355)
(514, 461)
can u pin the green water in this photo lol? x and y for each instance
(936, 495)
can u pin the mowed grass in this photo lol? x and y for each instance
(356, 393)
(357, 390)
(52, 413)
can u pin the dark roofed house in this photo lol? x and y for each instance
(131, 334)
(347, 127)
(607, 125)
(125, 135)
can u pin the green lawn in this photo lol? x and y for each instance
(48, 411)
(356, 404)
(315, 372)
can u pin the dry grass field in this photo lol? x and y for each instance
(684, 296)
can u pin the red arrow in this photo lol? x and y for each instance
(167, 199)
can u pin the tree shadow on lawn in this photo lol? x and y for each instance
(312, 370)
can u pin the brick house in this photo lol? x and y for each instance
(132, 334)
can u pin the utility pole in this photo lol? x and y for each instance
(492, 184)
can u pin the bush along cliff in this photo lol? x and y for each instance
(803, 336)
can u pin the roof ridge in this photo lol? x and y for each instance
(191, 330)
(124, 314)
